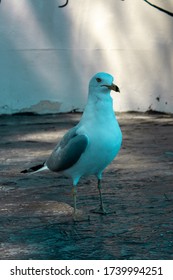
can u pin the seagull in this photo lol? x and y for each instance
(90, 146)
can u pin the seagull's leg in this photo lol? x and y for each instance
(102, 209)
(74, 200)
(77, 215)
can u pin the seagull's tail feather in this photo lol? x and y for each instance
(35, 169)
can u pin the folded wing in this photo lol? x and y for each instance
(68, 151)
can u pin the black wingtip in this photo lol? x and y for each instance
(32, 169)
(24, 171)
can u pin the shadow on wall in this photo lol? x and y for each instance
(36, 61)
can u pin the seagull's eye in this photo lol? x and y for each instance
(98, 80)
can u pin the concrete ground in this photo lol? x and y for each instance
(36, 211)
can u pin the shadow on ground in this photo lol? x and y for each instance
(36, 211)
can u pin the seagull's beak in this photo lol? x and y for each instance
(114, 87)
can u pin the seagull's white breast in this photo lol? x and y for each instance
(105, 137)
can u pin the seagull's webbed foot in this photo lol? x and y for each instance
(79, 216)
(100, 210)
(103, 211)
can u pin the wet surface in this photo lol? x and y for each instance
(36, 211)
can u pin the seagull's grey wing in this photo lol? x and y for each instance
(68, 151)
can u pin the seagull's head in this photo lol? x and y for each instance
(101, 84)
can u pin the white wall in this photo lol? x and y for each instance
(48, 54)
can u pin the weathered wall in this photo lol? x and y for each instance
(48, 54)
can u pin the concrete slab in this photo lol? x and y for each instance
(36, 211)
